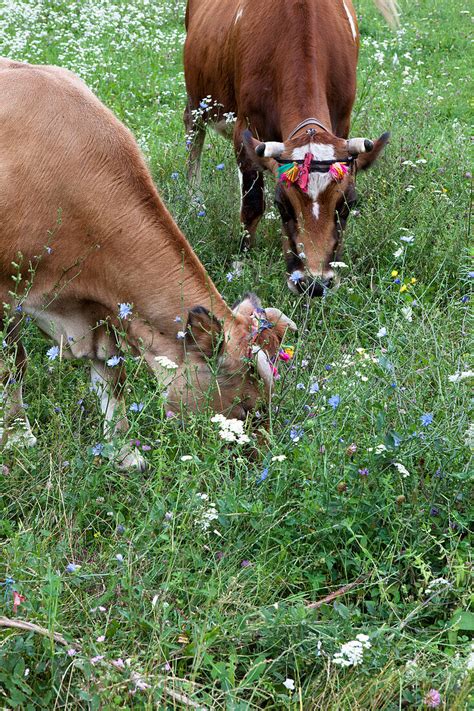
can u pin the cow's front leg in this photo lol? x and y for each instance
(252, 188)
(108, 383)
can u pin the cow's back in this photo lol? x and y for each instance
(68, 168)
(252, 56)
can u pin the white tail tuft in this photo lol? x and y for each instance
(389, 10)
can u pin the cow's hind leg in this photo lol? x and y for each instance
(16, 427)
(195, 135)
(252, 204)
(108, 384)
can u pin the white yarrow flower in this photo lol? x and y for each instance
(279, 458)
(402, 469)
(165, 362)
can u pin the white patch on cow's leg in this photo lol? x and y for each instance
(351, 21)
(241, 183)
(316, 210)
(103, 380)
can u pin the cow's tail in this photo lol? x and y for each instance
(389, 10)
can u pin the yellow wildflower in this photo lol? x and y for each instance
(413, 280)
(403, 288)
(394, 273)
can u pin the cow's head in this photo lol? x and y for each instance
(314, 194)
(229, 364)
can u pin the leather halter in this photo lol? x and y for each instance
(307, 122)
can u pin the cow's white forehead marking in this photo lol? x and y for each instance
(351, 21)
(318, 182)
(316, 210)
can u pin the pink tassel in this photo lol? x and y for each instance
(303, 177)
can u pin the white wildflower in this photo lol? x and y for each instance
(338, 265)
(352, 653)
(165, 362)
(279, 458)
(186, 458)
(398, 253)
(407, 311)
(402, 469)
(289, 684)
(382, 332)
(461, 376)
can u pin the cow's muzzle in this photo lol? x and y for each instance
(309, 285)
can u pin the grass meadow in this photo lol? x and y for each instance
(192, 585)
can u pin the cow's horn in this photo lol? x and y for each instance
(359, 145)
(271, 149)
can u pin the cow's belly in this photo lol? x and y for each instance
(75, 333)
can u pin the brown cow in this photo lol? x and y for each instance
(114, 248)
(286, 71)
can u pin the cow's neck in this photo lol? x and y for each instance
(158, 273)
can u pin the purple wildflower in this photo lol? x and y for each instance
(432, 699)
(245, 564)
(364, 471)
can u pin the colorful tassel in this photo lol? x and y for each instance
(338, 171)
(303, 177)
(289, 172)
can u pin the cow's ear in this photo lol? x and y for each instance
(203, 332)
(365, 160)
(262, 154)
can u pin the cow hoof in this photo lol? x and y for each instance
(130, 459)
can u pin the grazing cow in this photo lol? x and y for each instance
(287, 72)
(104, 267)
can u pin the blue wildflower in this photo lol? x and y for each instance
(72, 567)
(221, 166)
(203, 104)
(201, 213)
(263, 475)
(115, 360)
(334, 401)
(229, 276)
(19, 308)
(328, 367)
(364, 471)
(49, 250)
(314, 388)
(97, 449)
(136, 407)
(175, 176)
(300, 386)
(53, 352)
(426, 419)
(465, 299)
(296, 276)
(125, 310)
(296, 434)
